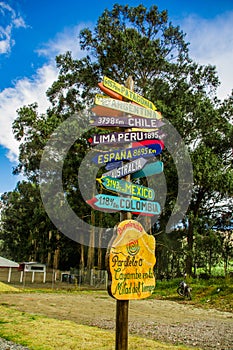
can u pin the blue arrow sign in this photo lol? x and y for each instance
(148, 170)
(127, 168)
(127, 187)
(104, 201)
(113, 165)
(127, 154)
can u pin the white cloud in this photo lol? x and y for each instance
(63, 42)
(211, 42)
(25, 91)
(9, 20)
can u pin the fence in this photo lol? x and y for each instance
(94, 278)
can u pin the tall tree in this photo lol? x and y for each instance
(143, 43)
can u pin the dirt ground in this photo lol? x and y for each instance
(169, 321)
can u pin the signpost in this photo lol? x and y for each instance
(127, 168)
(127, 187)
(127, 154)
(125, 122)
(124, 137)
(108, 202)
(126, 107)
(131, 253)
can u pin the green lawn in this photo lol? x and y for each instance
(43, 333)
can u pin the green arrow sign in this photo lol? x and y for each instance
(149, 170)
(127, 187)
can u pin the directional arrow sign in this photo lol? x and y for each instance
(129, 94)
(113, 165)
(148, 170)
(126, 107)
(124, 137)
(127, 168)
(106, 202)
(148, 143)
(127, 154)
(127, 122)
(92, 202)
(127, 187)
(100, 110)
(109, 92)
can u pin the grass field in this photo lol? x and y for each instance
(7, 288)
(213, 293)
(44, 333)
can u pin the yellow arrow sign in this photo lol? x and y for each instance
(129, 94)
(108, 104)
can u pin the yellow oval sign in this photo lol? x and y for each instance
(130, 262)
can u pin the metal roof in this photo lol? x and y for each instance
(7, 263)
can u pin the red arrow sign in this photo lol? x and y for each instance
(109, 92)
(148, 143)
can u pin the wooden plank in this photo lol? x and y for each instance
(114, 165)
(127, 154)
(127, 168)
(127, 93)
(126, 187)
(149, 170)
(148, 143)
(124, 137)
(109, 92)
(125, 122)
(113, 203)
(129, 108)
(131, 260)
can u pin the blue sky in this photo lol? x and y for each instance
(33, 32)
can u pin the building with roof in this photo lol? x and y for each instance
(8, 265)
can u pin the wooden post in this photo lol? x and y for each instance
(122, 324)
(122, 306)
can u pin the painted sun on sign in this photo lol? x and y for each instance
(130, 262)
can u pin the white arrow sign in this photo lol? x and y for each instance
(127, 168)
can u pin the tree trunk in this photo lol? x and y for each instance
(56, 253)
(210, 262)
(91, 249)
(49, 256)
(100, 249)
(189, 257)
